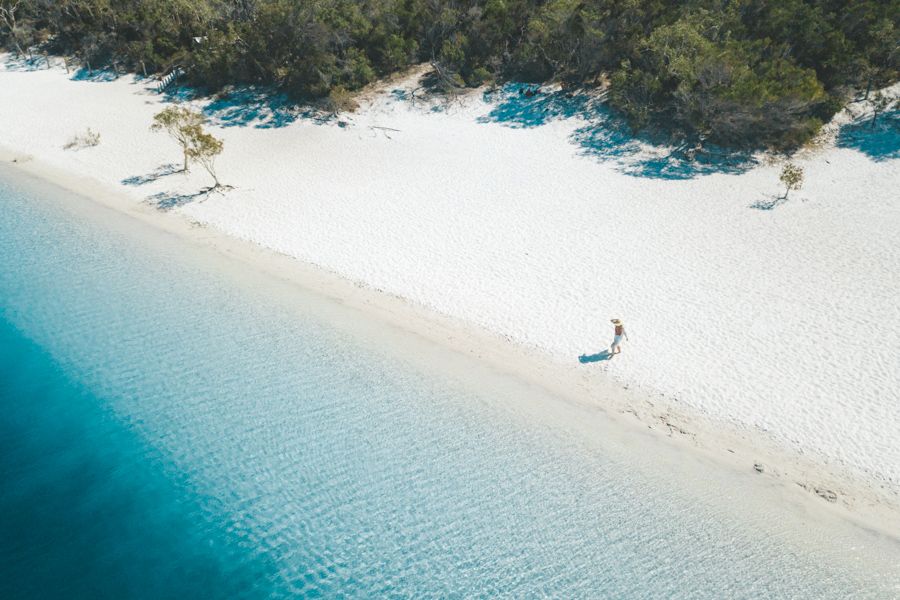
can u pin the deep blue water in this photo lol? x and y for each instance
(86, 508)
(175, 427)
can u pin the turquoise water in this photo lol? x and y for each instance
(174, 426)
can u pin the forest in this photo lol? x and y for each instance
(737, 73)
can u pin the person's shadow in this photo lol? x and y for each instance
(592, 358)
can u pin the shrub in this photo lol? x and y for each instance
(792, 178)
(88, 139)
(340, 100)
(747, 73)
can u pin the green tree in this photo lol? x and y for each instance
(792, 178)
(182, 124)
(9, 21)
(204, 148)
(740, 73)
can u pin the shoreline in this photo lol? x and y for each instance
(536, 221)
(263, 405)
(806, 478)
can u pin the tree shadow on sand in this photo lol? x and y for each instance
(95, 75)
(607, 137)
(521, 107)
(166, 201)
(24, 63)
(181, 93)
(769, 202)
(880, 143)
(161, 171)
(592, 358)
(257, 108)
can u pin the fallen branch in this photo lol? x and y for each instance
(384, 130)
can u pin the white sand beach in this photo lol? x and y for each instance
(771, 332)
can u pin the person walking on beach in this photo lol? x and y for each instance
(617, 339)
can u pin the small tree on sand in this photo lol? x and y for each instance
(204, 148)
(791, 177)
(182, 124)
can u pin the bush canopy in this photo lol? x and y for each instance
(738, 73)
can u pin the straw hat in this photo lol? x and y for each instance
(616, 321)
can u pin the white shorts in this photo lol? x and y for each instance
(617, 341)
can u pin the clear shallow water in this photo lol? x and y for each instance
(175, 428)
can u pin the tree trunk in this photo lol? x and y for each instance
(185, 168)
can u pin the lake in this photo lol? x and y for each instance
(178, 426)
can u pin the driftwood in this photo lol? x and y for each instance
(384, 130)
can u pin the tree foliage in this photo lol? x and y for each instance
(735, 72)
(792, 178)
(204, 148)
(181, 124)
(15, 33)
(185, 126)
